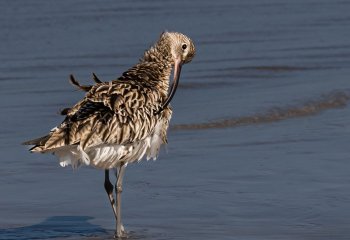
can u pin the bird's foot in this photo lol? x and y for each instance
(122, 234)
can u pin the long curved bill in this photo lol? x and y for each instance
(177, 72)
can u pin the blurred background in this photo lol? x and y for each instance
(259, 142)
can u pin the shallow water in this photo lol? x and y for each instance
(259, 142)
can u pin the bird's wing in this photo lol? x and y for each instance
(115, 112)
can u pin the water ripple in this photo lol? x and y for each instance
(325, 102)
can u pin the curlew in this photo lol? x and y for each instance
(121, 121)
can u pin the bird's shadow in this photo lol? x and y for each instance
(58, 227)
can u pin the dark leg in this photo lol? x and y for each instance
(118, 190)
(109, 190)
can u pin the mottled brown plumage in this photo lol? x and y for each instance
(120, 121)
(125, 110)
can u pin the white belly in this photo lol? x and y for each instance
(108, 156)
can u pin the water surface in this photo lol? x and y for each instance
(259, 145)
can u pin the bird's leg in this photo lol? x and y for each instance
(118, 190)
(109, 190)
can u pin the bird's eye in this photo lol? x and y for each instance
(184, 46)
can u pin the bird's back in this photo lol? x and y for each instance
(116, 122)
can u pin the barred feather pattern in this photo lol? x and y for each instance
(114, 123)
(117, 121)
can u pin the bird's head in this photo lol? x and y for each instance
(181, 47)
(182, 51)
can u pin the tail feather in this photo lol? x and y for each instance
(38, 141)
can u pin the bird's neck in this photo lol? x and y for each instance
(154, 69)
(159, 61)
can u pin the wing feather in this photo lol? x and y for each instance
(114, 112)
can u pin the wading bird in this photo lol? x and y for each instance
(121, 121)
